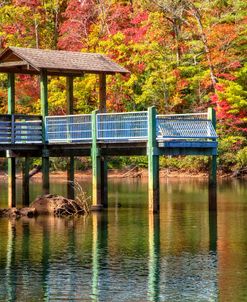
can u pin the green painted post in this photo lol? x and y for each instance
(71, 162)
(153, 162)
(102, 108)
(44, 113)
(96, 167)
(11, 160)
(212, 179)
(25, 182)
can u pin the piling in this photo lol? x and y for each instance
(44, 113)
(96, 168)
(25, 182)
(11, 158)
(212, 175)
(153, 163)
(71, 160)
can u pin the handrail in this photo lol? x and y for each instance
(110, 127)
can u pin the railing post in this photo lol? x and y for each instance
(44, 112)
(11, 159)
(212, 179)
(96, 167)
(153, 162)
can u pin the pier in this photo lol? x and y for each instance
(99, 134)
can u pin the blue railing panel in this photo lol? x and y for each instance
(122, 126)
(5, 129)
(191, 126)
(68, 128)
(26, 129)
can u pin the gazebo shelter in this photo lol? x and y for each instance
(17, 60)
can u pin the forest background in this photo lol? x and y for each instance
(183, 55)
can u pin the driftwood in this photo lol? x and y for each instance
(239, 173)
(35, 171)
(133, 172)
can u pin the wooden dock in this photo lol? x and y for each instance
(99, 134)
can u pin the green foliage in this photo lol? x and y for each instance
(242, 158)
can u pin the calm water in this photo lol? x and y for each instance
(184, 254)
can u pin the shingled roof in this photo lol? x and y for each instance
(32, 61)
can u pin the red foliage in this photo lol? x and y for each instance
(79, 16)
(28, 3)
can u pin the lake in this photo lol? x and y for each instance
(127, 254)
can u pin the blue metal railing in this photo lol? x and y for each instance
(68, 128)
(20, 129)
(110, 127)
(122, 126)
(185, 126)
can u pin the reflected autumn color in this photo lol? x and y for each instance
(125, 254)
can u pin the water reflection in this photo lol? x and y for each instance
(154, 257)
(186, 253)
(99, 256)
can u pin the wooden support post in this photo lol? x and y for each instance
(104, 182)
(102, 108)
(212, 176)
(11, 160)
(11, 182)
(102, 92)
(71, 162)
(44, 112)
(71, 178)
(96, 168)
(25, 182)
(153, 162)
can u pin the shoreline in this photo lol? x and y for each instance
(120, 174)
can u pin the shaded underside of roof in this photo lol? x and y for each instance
(56, 62)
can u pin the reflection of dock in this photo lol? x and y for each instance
(99, 134)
